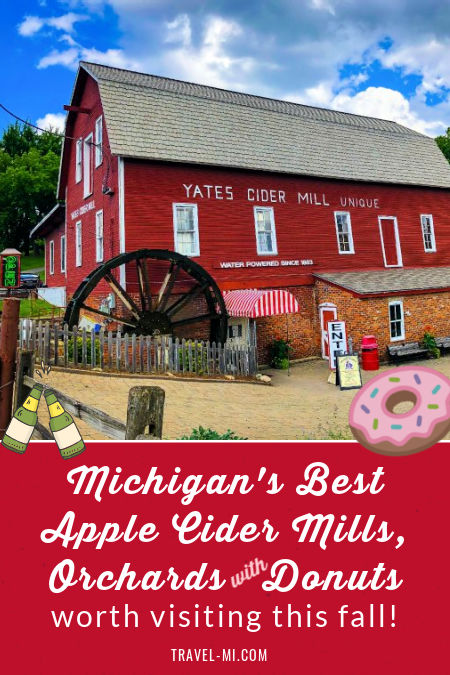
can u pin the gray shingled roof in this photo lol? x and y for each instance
(390, 280)
(156, 118)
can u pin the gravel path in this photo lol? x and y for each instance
(302, 405)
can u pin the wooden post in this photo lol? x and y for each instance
(25, 366)
(145, 413)
(8, 348)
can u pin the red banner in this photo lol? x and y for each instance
(229, 557)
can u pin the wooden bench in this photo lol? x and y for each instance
(443, 343)
(407, 350)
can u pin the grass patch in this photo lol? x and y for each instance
(30, 262)
(35, 308)
(202, 434)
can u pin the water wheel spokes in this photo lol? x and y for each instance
(153, 292)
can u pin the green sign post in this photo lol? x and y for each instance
(10, 268)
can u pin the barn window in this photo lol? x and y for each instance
(63, 253)
(78, 161)
(344, 231)
(99, 236)
(78, 244)
(266, 241)
(51, 257)
(185, 225)
(98, 141)
(396, 320)
(429, 241)
(87, 165)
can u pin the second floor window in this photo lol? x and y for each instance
(185, 225)
(344, 232)
(429, 241)
(78, 160)
(98, 141)
(78, 244)
(99, 236)
(87, 166)
(63, 253)
(266, 241)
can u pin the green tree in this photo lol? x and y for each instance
(444, 144)
(29, 163)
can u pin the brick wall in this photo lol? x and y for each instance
(371, 316)
(303, 328)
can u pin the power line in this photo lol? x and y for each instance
(45, 131)
(29, 124)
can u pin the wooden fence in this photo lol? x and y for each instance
(55, 344)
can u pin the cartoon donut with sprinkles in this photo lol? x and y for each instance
(378, 427)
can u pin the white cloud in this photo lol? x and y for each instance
(33, 24)
(431, 59)
(30, 25)
(179, 30)
(211, 62)
(71, 57)
(52, 121)
(379, 102)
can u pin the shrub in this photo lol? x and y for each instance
(202, 434)
(279, 353)
(80, 350)
(429, 342)
(198, 360)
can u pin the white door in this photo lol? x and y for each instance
(390, 241)
(327, 312)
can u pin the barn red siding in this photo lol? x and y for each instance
(58, 278)
(304, 231)
(106, 173)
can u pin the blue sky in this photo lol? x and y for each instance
(387, 58)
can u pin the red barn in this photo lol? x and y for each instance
(347, 214)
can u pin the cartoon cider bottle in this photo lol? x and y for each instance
(64, 429)
(18, 433)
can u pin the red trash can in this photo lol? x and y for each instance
(369, 353)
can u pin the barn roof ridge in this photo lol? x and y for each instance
(235, 97)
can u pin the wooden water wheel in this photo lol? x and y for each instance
(165, 293)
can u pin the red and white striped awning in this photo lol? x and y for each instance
(253, 303)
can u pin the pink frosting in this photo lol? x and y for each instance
(369, 414)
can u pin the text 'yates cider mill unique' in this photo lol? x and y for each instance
(275, 196)
(64, 429)
(18, 433)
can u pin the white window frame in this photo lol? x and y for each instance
(273, 232)
(51, 256)
(98, 141)
(175, 206)
(87, 166)
(99, 250)
(79, 160)
(350, 232)
(433, 238)
(398, 246)
(78, 244)
(402, 321)
(63, 253)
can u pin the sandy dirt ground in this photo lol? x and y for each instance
(300, 406)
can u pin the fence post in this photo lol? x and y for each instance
(8, 348)
(25, 366)
(145, 410)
